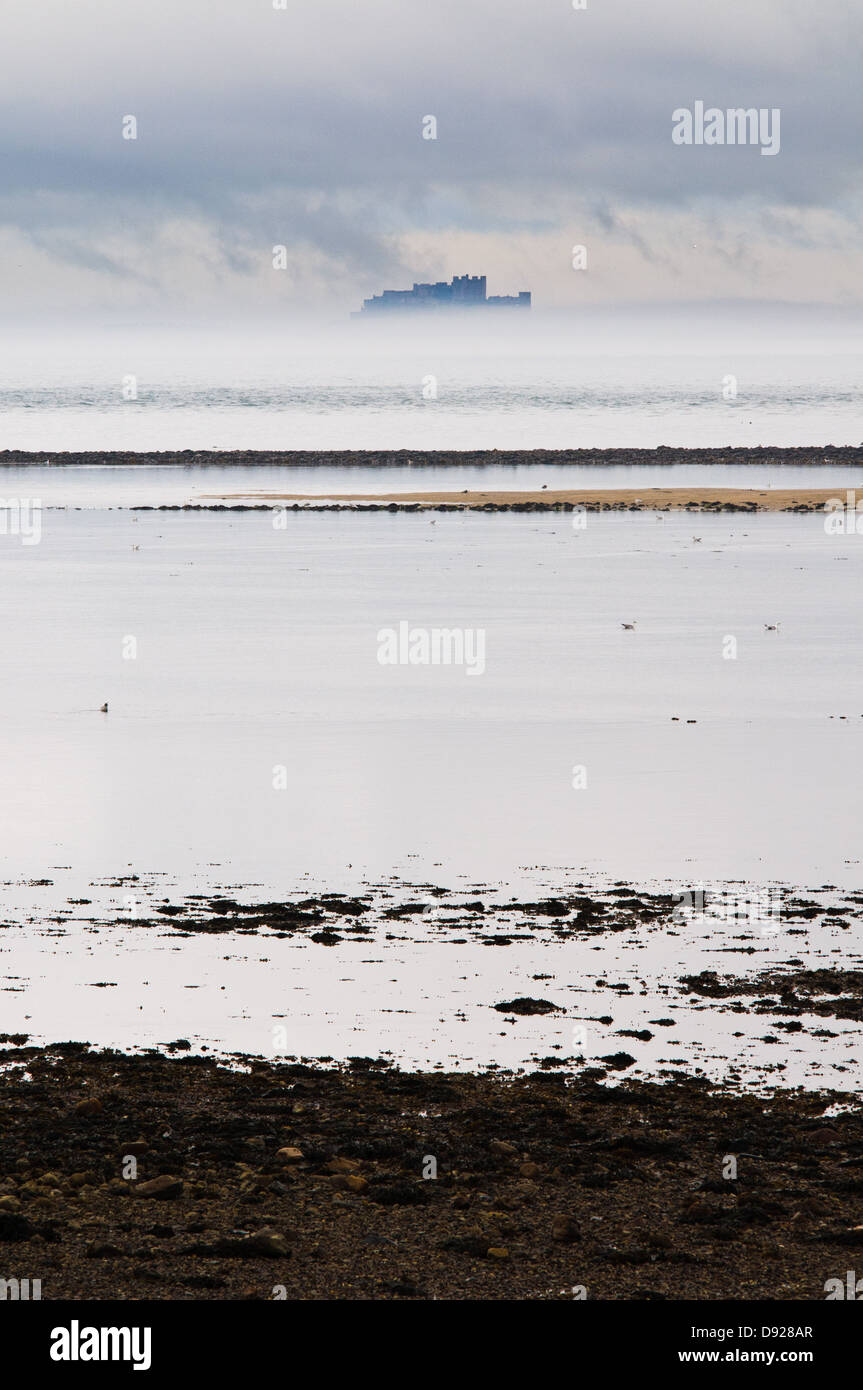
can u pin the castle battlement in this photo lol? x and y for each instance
(462, 292)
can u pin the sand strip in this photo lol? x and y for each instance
(592, 499)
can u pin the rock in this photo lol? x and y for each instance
(290, 1155)
(267, 1243)
(342, 1165)
(9, 1203)
(15, 1227)
(402, 1193)
(204, 1281)
(89, 1107)
(527, 1006)
(472, 1243)
(348, 1182)
(657, 1241)
(529, 1170)
(618, 1061)
(503, 1148)
(261, 1244)
(564, 1230)
(163, 1188)
(497, 1252)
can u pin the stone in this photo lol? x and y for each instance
(163, 1188)
(290, 1155)
(497, 1252)
(89, 1107)
(342, 1165)
(564, 1230)
(502, 1148)
(529, 1170)
(267, 1243)
(401, 1193)
(658, 1241)
(15, 1227)
(264, 1243)
(526, 1006)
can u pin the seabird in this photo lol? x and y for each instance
(628, 627)
(103, 709)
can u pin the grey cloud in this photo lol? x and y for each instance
(305, 125)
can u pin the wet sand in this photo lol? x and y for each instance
(284, 1180)
(662, 499)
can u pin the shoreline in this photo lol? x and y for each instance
(264, 1175)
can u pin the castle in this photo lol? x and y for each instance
(462, 292)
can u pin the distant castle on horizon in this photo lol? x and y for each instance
(462, 292)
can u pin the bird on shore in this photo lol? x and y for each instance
(103, 709)
(628, 627)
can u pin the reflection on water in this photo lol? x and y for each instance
(257, 646)
(255, 654)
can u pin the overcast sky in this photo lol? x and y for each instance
(303, 127)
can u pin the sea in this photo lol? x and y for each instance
(667, 700)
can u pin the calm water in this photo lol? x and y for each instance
(359, 386)
(257, 648)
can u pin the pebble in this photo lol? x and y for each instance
(267, 1243)
(342, 1165)
(564, 1230)
(163, 1188)
(89, 1107)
